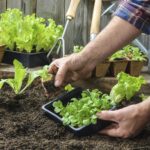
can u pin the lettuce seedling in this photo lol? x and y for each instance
(77, 49)
(27, 33)
(68, 87)
(9, 25)
(129, 52)
(16, 82)
(47, 80)
(42, 73)
(82, 111)
(118, 55)
(126, 87)
(21, 73)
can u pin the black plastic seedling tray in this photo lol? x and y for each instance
(29, 60)
(65, 98)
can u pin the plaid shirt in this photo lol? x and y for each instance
(137, 12)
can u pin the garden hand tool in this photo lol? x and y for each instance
(110, 9)
(60, 43)
(137, 43)
(95, 24)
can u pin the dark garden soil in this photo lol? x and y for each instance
(24, 126)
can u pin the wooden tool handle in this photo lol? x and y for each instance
(71, 13)
(95, 25)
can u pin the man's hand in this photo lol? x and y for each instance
(71, 68)
(128, 122)
(79, 66)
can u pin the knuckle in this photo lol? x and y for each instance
(89, 75)
(66, 64)
(119, 118)
(126, 134)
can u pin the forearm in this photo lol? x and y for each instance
(117, 34)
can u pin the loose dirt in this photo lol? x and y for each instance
(23, 125)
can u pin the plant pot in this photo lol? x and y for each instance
(101, 69)
(2, 48)
(134, 67)
(117, 67)
(29, 60)
(81, 131)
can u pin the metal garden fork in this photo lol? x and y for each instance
(60, 43)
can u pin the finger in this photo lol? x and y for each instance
(108, 115)
(60, 76)
(68, 78)
(110, 132)
(71, 76)
(53, 68)
(75, 76)
(116, 131)
(84, 74)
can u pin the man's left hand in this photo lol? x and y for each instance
(127, 122)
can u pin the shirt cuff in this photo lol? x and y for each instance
(134, 15)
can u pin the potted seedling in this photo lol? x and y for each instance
(118, 63)
(77, 109)
(102, 69)
(27, 38)
(136, 60)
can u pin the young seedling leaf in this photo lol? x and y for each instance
(16, 82)
(68, 87)
(82, 111)
(126, 87)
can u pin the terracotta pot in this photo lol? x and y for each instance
(134, 67)
(117, 67)
(101, 69)
(2, 48)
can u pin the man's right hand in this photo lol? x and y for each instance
(80, 65)
(71, 68)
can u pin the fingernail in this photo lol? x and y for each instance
(103, 111)
(98, 114)
(57, 83)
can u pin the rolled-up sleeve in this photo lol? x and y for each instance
(136, 12)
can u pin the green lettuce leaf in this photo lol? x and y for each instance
(126, 87)
(27, 33)
(82, 111)
(77, 49)
(16, 83)
(42, 73)
(21, 73)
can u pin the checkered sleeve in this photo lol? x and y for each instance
(136, 12)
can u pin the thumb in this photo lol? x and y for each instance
(60, 76)
(112, 130)
(108, 115)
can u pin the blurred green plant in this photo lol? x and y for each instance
(129, 52)
(27, 33)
